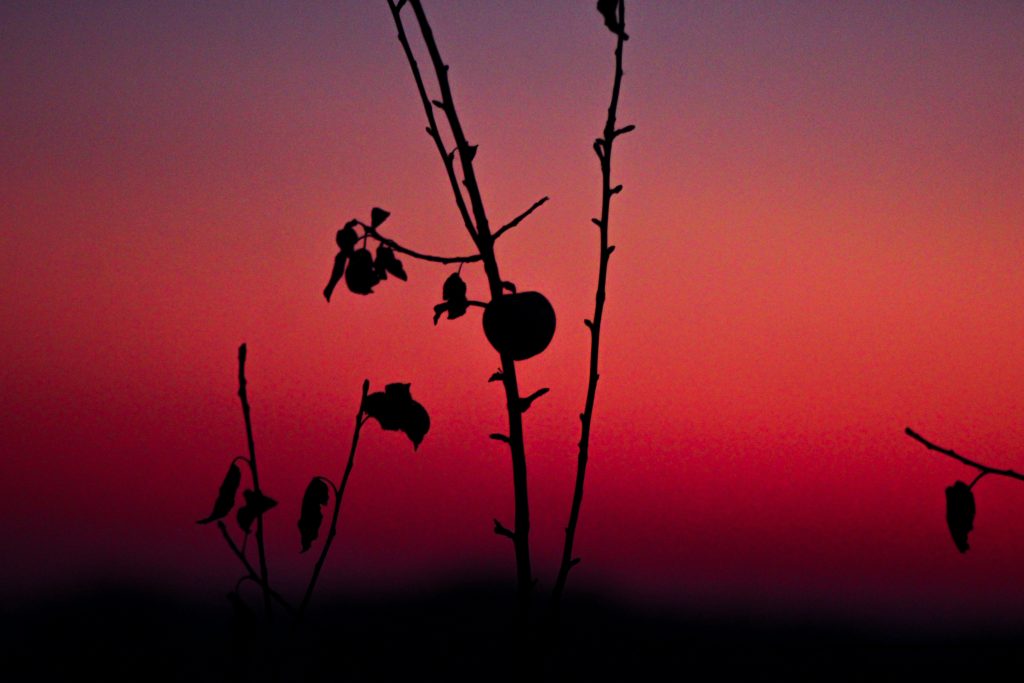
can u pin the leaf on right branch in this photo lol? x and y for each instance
(255, 505)
(226, 496)
(960, 513)
(395, 410)
(609, 9)
(312, 515)
(454, 294)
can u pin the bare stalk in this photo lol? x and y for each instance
(603, 148)
(984, 469)
(264, 577)
(361, 419)
(478, 226)
(252, 574)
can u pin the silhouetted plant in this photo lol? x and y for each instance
(394, 408)
(960, 506)
(518, 325)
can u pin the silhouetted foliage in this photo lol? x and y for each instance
(313, 500)
(226, 496)
(454, 294)
(256, 504)
(960, 513)
(395, 410)
(609, 9)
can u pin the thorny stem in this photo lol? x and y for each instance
(604, 151)
(479, 230)
(984, 469)
(243, 396)
(339, 493)
(249, 568)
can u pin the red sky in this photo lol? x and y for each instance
(819, 243)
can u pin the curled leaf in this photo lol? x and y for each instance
(255, 505)
(360, 275)
(609, 9)
(454, 294)
(378, 216)
(386, 262)
(336, 273)
(226, 496)
(395, 409)
(960, 513)
(312, 516)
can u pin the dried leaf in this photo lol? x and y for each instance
(360, 275)
(312, 516)
(255, 505)
(454, 294)
(960, 513)
(378, 216)
(336, 273)
(386, 262)
(609, 10)
(395, 410)
(226, 496)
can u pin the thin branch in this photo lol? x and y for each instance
(603, 148)
(372, 232)
(984, 469)
(432, 129)
(244, 398)
(518, 219)
(339, 494)
(249, 568)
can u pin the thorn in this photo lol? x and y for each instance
(624, 130)
(501, 437)
(596, 221)
(496, 377)
(598, 150)
(609, 250)
(524, 403)
(438, 103)
(509, 286)
(430, 131)
(589, 323)
(471, 152)
(617, 189)
(500, 529)
(575, 561)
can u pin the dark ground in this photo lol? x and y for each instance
(463, 633)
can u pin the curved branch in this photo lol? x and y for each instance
(372, 232)
(984, 469)
(518, 219)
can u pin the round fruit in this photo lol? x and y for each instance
(520, 325)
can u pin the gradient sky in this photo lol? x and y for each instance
(819, 243)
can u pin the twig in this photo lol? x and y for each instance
(338, 495)
(243, 396)
(432, 129)
(604, 152)
(372, 232)
(984, 469)
(518, 219)
(249, 568)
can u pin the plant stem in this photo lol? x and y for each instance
(479, 230)
(249, 568)
(338, 495)
(243, 396)
(604, 151)
(984, 469)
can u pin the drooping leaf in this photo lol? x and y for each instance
(386, 262)
(960, 513)
(609, 10)
(226, 496)
(347, 237)
(312, 516)
(378, 216)
(336, 273)
(395, 410)
(454, 294)
(255, 505)
(360, 275)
